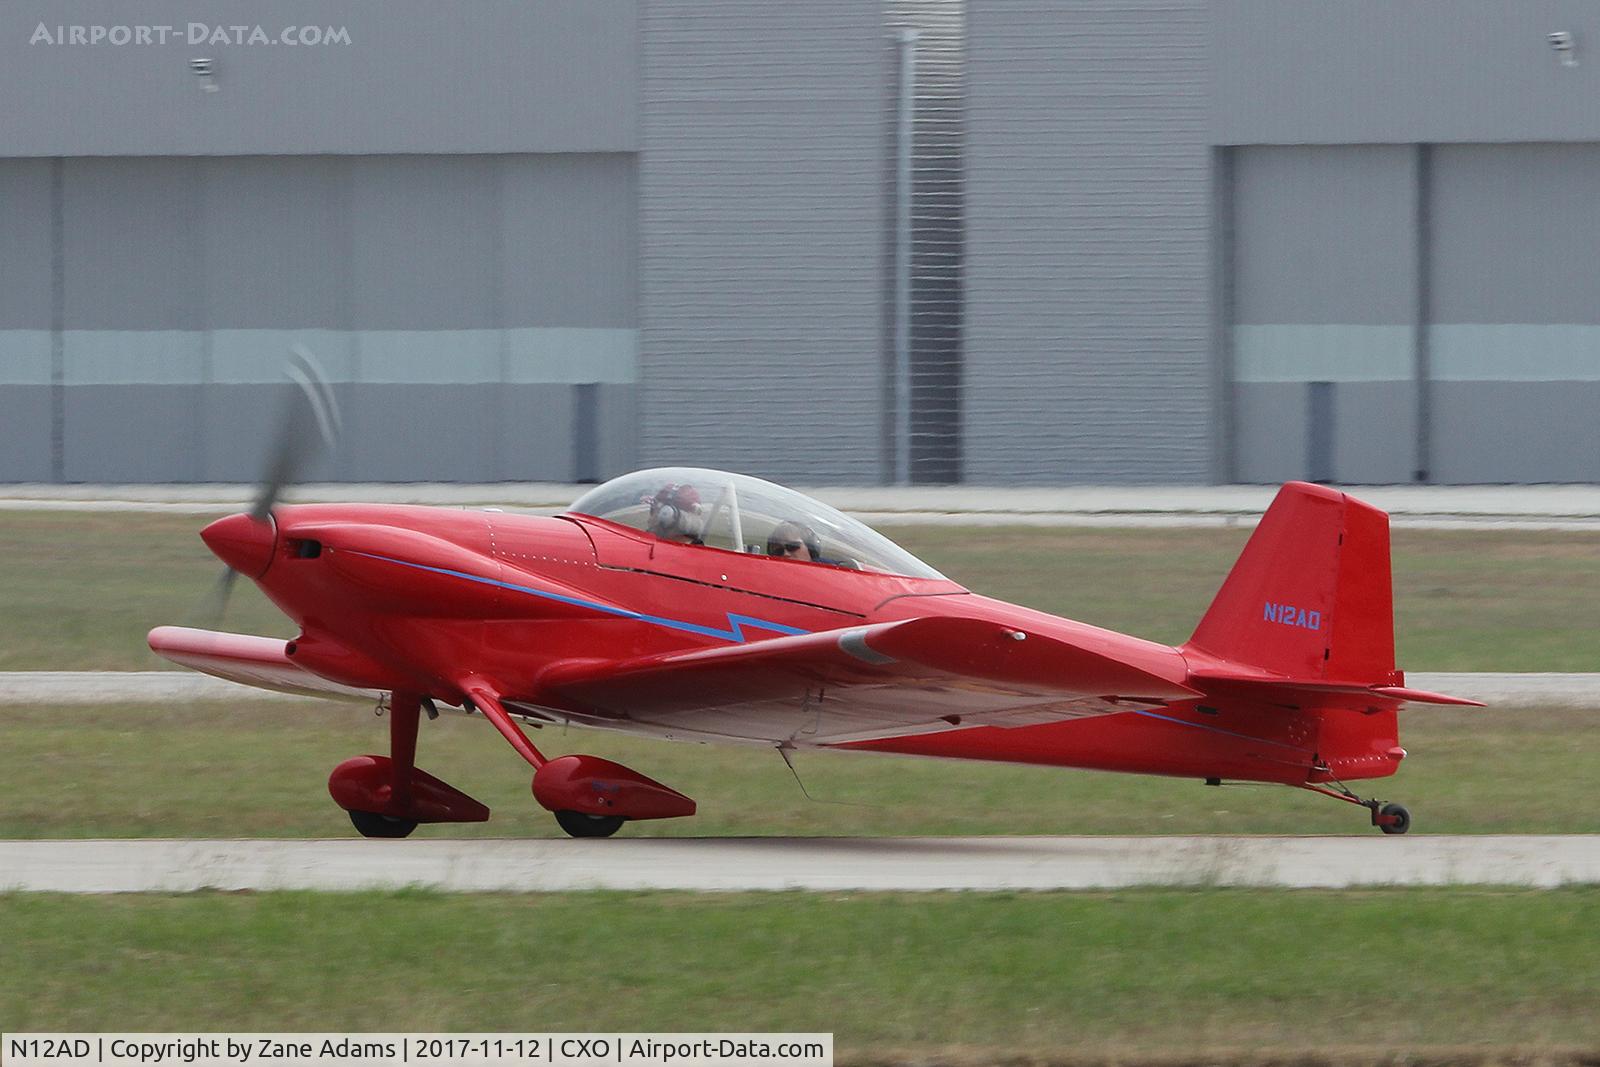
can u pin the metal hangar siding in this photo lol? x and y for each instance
(1161, 241)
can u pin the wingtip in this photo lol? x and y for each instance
(160, 637)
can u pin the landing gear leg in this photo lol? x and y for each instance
(404, 710)
(1390, 818)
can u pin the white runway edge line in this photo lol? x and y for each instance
(858, 864)
(32, 688)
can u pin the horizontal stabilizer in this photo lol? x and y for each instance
(1422, 696)
(1267, 687)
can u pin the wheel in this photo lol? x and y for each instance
(371, 824)
(1402, 819)
(577, 824)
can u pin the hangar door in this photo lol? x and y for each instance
(1325, 313)
(1405, 312)
(1514, 339)
(475, 313)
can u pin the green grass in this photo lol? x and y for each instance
(259, 769)
(1094, 974)
(82, 589)
(1464, 600)
(1081, 973)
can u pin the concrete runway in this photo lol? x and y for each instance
(828, 864)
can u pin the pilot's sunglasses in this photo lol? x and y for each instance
(785, 546)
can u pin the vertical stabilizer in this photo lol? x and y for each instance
(1310, 597)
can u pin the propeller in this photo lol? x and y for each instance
(305, 424)
(310, 423)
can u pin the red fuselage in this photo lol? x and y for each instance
(415, 598)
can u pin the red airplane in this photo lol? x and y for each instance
(707, 606)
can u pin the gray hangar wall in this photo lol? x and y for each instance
(1252, 240)
(1406, 312)
(1178, 240)
(1088, 320)
(473, 332)
(1409, 201)
(454, 235)
(761, 187)
(1081, 246)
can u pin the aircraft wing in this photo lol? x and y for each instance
(883, 680)
(254, 661)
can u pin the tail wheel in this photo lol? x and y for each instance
(1397, 820)
(1390, 818)
(578, 824)
(371, 824)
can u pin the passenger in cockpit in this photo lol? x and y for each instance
(675, 514)
(790, 540)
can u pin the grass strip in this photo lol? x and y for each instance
(259, 769)
(83, 588)
(1141, 972)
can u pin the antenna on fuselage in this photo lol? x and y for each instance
(784, 748)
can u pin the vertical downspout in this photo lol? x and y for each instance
(1422, 355)
(58, 322)
(902, 258)
(1225, 465)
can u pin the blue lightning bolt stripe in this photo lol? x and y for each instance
(734, 632)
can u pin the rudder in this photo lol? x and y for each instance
(1311, 595)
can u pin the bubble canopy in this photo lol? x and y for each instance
(739, 513)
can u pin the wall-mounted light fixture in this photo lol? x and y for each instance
(206, 71)
(1565, 46)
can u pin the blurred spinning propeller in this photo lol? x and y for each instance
(310, 423)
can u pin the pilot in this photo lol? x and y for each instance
(675, 514)
(791, 540)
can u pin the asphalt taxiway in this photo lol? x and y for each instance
(836, 864)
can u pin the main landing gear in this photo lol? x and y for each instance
(389, 796)
(1390, 818)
